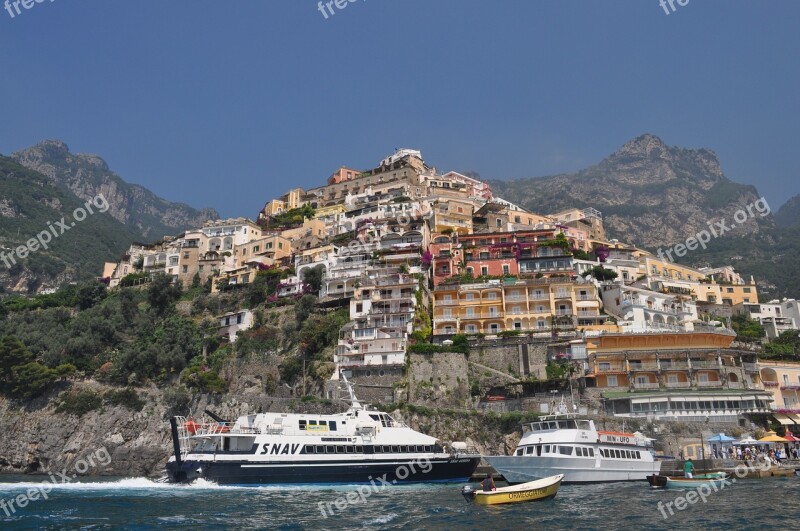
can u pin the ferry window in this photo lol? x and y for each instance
(375, 418)
(308, 450)
(529, 450)
(349, 449)
(638, 455)
(320, 449)
(302, 424)
(330, 449)
(618, 454)
(332, 425)
(565, 450)
(547, 448)
(583, 424)
(323, 423)
(603, 452)
(395, 449)
(359, 449)
(591, 452)
(519, 451)
(312, 422)
(429, 448)
(339, 449)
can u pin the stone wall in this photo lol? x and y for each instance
(438, 379)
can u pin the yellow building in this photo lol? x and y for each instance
(293, 199)
(782, 379)
(272, 247)
(455, 215)
(682, 376)
(525, 305)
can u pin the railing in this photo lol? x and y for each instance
(645, 385)
(710, 383)
(562, 313)
(563, 295)
(445, 303)
(678, 385)
(750, 367)
(643, 366)
(735, 385)
(612, 368)
(705, 365)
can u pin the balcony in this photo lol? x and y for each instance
(588, 313)
(563, 313)
(646, 385)
(615, 367)
(706, 365)
(750, 367)
(563, 294)
(709, 383)
(539, 296)
(678, 385)
(735, 385)
(643, 366)
(586, 298)
(445, 303)
(674, 365)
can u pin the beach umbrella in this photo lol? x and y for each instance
(772, 437)
(720, 438)
(747, 441)
(790, 437)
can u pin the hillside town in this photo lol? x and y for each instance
(434, 266)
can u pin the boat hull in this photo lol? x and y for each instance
(714, 481)
(540, 490)
(521, 469)
(455, 469)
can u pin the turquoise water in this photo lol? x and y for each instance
(143, 504)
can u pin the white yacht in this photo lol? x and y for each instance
(357, 446)
(564, 444)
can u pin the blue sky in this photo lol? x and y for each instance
(228, 104)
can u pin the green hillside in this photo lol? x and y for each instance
(29, 202)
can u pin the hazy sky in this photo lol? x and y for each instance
(228, 104)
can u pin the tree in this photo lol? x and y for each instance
(90, 294)
(313, 277)
(162, 293)
(602, 274)
(303, 309)
(13, 354)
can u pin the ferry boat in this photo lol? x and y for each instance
(357, 446)
(565, 444)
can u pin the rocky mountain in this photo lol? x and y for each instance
(789, 213)
(650, 194)
(655, 196)
(87, 176)
(30, 204)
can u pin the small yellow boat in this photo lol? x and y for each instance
(541, 489)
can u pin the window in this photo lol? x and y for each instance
(484, 270)
(611, 380)
(565, 450)
(499, 222)
(506, 269)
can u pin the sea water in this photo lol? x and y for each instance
(144, 504)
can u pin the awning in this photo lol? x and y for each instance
(783, 419)
(789, 436)
(794, 416)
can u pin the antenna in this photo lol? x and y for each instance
(354, 403)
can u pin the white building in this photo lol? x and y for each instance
(232, 323)
(640, 310)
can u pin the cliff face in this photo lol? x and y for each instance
(650, 194)
(87, 176)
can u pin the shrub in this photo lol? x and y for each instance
(124, 397)
(79, 403)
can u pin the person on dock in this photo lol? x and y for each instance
(488, 483)
(688, 468)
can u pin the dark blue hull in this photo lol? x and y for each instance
(393, 471)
